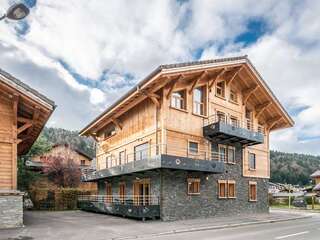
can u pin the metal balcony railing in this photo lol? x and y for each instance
(135, 200)
(247, 124)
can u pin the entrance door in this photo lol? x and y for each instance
(122, 192)
(141, 192)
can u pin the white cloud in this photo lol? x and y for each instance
(113, 44)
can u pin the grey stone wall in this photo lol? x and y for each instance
(11, 211)
(177, 204)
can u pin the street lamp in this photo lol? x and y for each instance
(17, 11)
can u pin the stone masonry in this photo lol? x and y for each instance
(11, 209)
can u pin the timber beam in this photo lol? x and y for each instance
(272, 122)
(196, 81)
(24, 127)
(173, 84)
(117, 123)
(260, 108)
(214, 79)
(248, 92)
(234, 76)
(24, 120)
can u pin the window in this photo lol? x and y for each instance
(122, 157)
(82, 162)
(222, 153)
(249, 119)
(252, 161)
(141, 151)
(199, 101)
(221, 117)
(226, 189)
(222, 188)
(231, 189)
(178, 99)
(252, 191)
(193, 148)
(234, 121)
(108, 162)
(231, 155)
(220, 89)
(193, 186)
(233, 96)
(122, 192)
(109, 131)
(108, 193)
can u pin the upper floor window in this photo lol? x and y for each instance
(223, 153)
(227, 154)
(193, 186)
(141, 151)
(234, 121)
(193, 147)
(199, 99)
(178, 99)
(122, 157)
(252, 161)
(109, 131)
(233, 96)
(82, 162)
(221, 89)
(231, 155)
(221, 117)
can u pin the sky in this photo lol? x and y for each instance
(86, 54)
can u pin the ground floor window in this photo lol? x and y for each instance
(226, 189)
(122, 192)
(108, 192)
(252, 191)
(193, 186)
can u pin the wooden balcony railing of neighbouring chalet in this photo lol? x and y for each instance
(155, 157)
(137, 206)
(225, 130)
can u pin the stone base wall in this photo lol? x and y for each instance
(11, 210)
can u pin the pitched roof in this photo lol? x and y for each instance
(317, 187)
(315, 174)
(19, 85)
(182, 66)
(74, 149)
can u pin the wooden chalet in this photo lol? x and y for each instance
(191, 136)
(23, 114)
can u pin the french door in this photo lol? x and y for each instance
(141, 192)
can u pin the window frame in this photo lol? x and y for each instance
(109, 193)
(225, 160)
(249, 161)
(255, 199)
(225, 183)
(235, 93)
(190, 152)
(120, 157)
(191, 181)
(184, 99)
(203, 104)
(221, 116)
(232, 182)
(223, 90)
(147, 150)
(82, 162)
(234, 155)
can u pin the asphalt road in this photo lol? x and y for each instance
(303, 229)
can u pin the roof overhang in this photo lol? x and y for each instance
(165, 71)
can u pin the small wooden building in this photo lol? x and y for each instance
(23, 114)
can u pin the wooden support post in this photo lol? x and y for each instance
(196, 80)
(14, 144)
(234, 76)
(248, 92)
(213, 80)
(24, 127)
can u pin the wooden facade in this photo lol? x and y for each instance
(23, 113)
(167, 112)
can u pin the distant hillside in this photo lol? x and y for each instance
(285, 167)
(292, 167)
(59, 135)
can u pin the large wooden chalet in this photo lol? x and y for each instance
(190, 140)
(23, 113)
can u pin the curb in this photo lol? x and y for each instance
(226, 226)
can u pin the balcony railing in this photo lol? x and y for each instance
(136, 200)
(247, 124)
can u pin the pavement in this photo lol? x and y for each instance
(91, 226)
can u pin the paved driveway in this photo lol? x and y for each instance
(91, 226)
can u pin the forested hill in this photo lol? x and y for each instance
(285, 167)
(61, 136)
(292, 167)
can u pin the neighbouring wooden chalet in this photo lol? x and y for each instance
(65, 151)
(316, 178)
(23, 114)
(190, 140)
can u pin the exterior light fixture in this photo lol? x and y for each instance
(17, 11)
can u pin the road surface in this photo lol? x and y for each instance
(303, 229)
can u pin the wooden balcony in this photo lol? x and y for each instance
(225, 131)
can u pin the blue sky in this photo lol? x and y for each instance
(85, 54)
